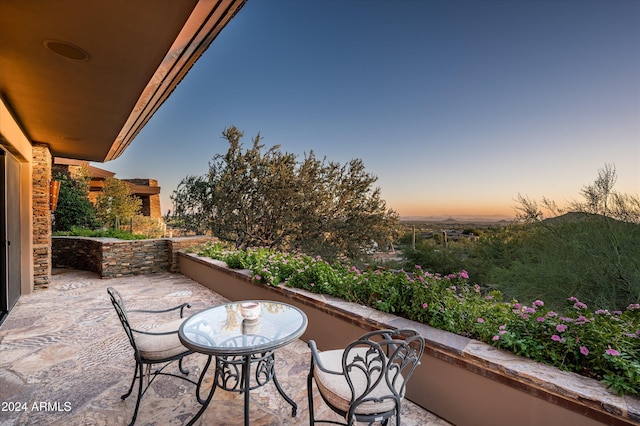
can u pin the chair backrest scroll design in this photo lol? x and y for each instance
(389, 355)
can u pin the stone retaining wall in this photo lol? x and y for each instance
(111, 258)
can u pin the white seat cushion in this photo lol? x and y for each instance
(336, 390)
(153, 347)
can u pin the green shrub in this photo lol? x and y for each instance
(437, 257)
(104, 233)
(599, 344)
(595, 259)
(74, 208)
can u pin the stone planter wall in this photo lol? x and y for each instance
(110, 257)
(464, 381)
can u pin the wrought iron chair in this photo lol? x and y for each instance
(366, 381)
(159, 346)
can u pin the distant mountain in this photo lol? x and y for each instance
(460, 220)
(450, 220)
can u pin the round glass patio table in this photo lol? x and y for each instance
(240, 339)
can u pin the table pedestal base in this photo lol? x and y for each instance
(233, 373)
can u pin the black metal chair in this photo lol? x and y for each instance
(159, 346)
(366, 381)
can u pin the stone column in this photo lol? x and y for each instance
(41, 216)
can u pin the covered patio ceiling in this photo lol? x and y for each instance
(84, 77)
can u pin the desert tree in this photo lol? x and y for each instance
(269, 198)
(191, 203)
(115, 204)
(599, 198)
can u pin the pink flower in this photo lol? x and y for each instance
(579, 305)
(538, 303)
(572, 299)
(556, 338)
(494, 338)
(424, 305)
(582, 319)
(502, 332)
(463, 274)
(540, 319)
(612, 352)
(584, 350)
(480, 320)
(561, 327)
(633, 306)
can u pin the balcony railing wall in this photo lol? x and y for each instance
(464, 381)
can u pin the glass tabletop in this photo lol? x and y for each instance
(241, 328)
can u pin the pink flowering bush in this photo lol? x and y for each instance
(599, 344)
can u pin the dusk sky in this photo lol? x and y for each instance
(456, 106)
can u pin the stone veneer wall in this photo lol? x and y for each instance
(41, 178)
(126, 258)
(183, 244)
(111, 258)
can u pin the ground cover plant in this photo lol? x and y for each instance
(592, 342)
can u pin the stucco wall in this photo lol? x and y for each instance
(18, 145)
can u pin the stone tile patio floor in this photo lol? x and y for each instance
(65, 347)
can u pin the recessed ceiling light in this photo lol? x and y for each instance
(66, 50)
